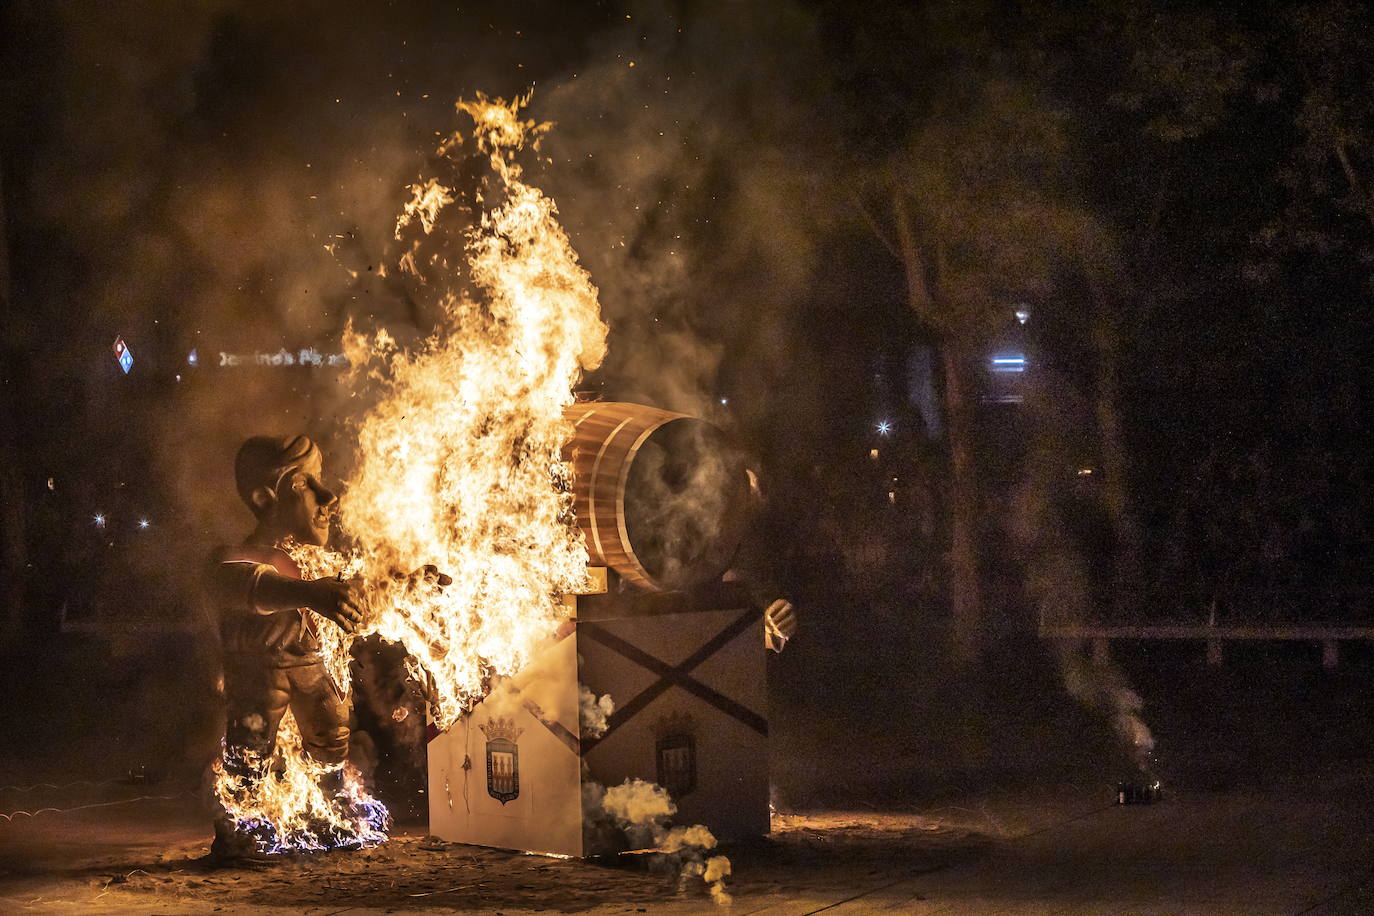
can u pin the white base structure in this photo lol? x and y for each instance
(686, 674)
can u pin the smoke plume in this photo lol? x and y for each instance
(641, 810)
(688, 178)
(1058, 582)
(592, 711)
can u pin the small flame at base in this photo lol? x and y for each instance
(293, 803)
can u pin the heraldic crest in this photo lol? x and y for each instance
(503, 759)
(676, 753)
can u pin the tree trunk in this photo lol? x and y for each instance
(13, 546)
(1126, 565)
(966, 600)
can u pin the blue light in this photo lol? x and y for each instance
(1014, 363)
(884, 427)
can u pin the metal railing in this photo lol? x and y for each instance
(1218, 616)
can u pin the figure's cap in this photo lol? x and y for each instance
(262, 461)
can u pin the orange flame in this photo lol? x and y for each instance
(290, 805)
(459, 460)
(458, 463)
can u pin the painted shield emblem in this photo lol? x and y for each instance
(503, 759)
(677, 763)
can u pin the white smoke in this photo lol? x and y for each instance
(592, 712)
(641, 810)
(1058, 581)
(1103, 687)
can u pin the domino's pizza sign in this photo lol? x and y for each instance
(122, 354)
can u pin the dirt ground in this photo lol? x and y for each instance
(1301, 847)
(1268, 765)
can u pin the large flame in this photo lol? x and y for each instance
(458, 462)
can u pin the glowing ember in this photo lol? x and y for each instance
(458, 466)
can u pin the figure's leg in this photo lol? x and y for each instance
(256, 699)
(321, 714)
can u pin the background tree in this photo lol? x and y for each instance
(974, 194)
(1315, 74)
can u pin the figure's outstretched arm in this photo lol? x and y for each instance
(257, 588)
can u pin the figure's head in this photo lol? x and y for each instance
(279, 479)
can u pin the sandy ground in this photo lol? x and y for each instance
(1268, 763)
(1302, 847)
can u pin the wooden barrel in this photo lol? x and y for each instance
(661, 497)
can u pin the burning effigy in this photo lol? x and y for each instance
(458, 462)
(464, 466)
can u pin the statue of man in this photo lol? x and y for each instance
(270, 639)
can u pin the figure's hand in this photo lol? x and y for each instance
(779, 624)
(430, 575)
(426, 575)
(339, 600)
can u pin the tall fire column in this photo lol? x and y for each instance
(663, 502)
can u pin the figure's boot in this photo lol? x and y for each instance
(232, 847)
(330, 829)
(332, 784)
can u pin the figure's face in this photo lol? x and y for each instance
(305, 506)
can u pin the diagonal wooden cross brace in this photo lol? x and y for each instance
(674, 676)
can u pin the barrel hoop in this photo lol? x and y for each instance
(585, 415)
(569, 452)
(591, 491)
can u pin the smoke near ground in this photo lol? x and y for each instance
(1058, 582)
(642, 811)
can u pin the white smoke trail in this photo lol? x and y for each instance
(641, 810)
